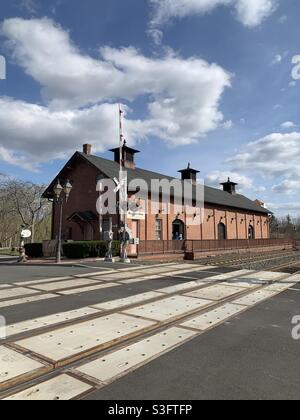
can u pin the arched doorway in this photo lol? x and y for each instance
(251, 233)
(222, 233)
(178, 231)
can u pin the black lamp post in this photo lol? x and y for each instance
(61, 196)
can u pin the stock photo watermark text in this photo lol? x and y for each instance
(2, 328)
(296, 68)
(165, 196)
(296, 329)
(2, 67)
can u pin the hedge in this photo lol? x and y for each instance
(89, 249)
(34, 250)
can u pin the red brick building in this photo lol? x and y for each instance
(227, 214)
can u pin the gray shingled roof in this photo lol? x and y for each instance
(211, 195)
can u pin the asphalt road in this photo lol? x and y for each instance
(25, 272)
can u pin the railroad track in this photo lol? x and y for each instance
(288, 268)
(249, 261)
(235, 258)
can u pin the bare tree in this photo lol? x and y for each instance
(285, 227)
(21, 204)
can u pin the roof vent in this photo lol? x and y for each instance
(229, 187)
(189, 174)
(128, 158)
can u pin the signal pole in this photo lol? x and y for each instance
(121, 210)
(123, 196)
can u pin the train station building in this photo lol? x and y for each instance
(227, 215)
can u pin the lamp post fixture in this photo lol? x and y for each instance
(25, 233)
(62, 195)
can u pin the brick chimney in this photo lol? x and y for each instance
(128, 158)
(229, 187)
(189, 174)
(87, 149)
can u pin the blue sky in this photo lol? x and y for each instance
(203, 82)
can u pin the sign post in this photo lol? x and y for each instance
(109, 236)
(25, 234)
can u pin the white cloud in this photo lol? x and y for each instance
(250, 13)
(277, 59)
(156, 35)
(292, 208)
(253, 12)
(181, 110)
(283, 19)
(31, 134)
(261, 189)
(287, 187)
(274, 155)
(288, 125)
(215, 178)
(29, 5)
(228, 124)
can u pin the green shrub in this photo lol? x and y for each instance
(89, 249)
(34, 250)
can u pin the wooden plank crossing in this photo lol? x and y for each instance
(116, 335)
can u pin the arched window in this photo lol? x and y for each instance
(222, 232)
(178, 230)
(251, 233)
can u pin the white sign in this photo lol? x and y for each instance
(136, 215)
(26, 234)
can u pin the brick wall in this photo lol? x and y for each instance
(84, 198)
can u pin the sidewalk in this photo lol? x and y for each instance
(52, 261)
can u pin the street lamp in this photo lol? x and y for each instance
(62, 195)
(68, 189)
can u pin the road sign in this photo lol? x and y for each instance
(26, 234)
